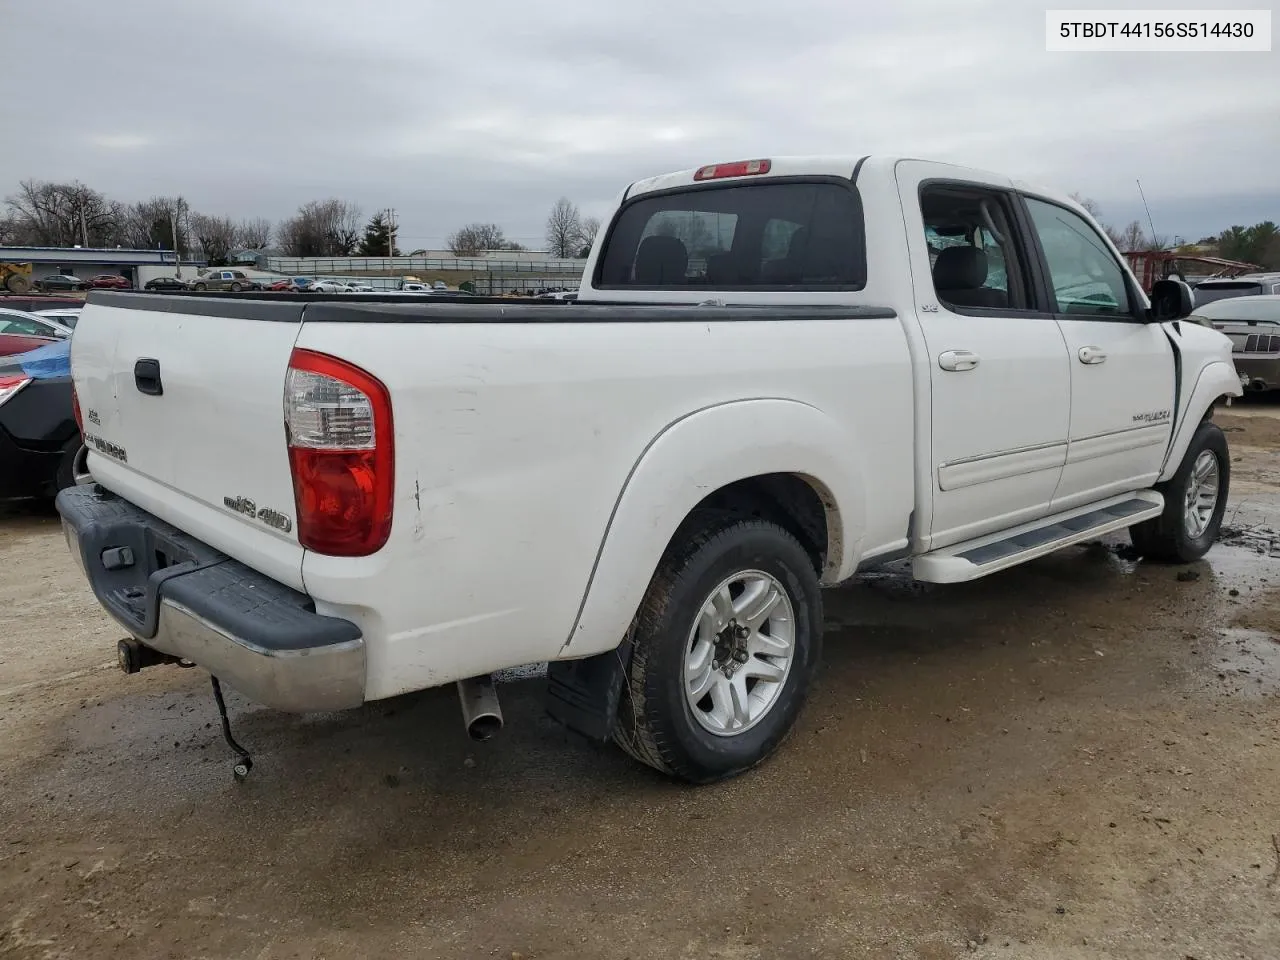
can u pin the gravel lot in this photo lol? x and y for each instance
(1078, 758)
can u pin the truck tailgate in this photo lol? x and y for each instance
(182, 400)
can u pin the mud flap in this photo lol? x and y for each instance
(584, 694)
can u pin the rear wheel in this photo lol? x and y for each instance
(236, 288)
(1195, 498)
(200, 286)
(724, 648)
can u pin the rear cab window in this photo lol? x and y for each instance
(771, 235)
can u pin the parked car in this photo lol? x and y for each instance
(41, 450)
(301, 284)
(1245, 285)
(654, 508)
(359, 287)
(233, 280)
(328, 286)
(1253, 324)
(32, 325)
(413, 286)
(64, 316)
(166, 283)
(110, 281)
(11, 343)
(64, 281)
(279, 286)
(439, 285)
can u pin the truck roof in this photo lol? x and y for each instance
(835, 165)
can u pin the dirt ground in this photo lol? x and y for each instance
(1075, 759)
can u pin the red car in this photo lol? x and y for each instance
(11, 343)
(110, 281)
(280, 285)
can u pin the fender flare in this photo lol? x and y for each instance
(1217, 379)
(692, 458)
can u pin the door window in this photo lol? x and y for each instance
(973, 248)
(1085, 277)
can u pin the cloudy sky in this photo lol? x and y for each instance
(453, 111)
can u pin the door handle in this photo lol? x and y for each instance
(146, 377)
(958, 361)
(1091, 355)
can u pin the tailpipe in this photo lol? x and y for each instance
(481, 712)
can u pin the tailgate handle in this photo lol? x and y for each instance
(146, 374)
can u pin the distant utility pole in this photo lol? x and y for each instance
(84, 230)
(177, 257)
(391, 232)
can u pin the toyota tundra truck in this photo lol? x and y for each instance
(778, 372)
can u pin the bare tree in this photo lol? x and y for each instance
(216, 237)
(1132, 237)
(253, 234)
(477, 237)
(63, 215)
(564, 229)
(321, 228)
(161, 223)
(590, 227)
(1089, 204)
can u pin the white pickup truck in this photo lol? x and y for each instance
(777, 373)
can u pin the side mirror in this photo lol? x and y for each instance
(1170, 300)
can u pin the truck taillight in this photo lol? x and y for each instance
(338, 422)
(10, 385)
(75, 410)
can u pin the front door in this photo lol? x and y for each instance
(1122, 369)
(998, 368)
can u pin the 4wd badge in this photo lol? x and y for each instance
(272, 518)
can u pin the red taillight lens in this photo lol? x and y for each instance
(742, 168)
(341, 453)
(75, 410)
(10, 385)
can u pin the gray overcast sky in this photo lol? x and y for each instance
(453, 111)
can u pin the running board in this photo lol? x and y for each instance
(1008, 548)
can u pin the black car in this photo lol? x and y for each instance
(41, 450)
(61, 282)
(165, 283)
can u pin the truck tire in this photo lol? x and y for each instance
(1195, 498)
(724, 648)
(17, 283)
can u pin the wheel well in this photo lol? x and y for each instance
(793, 502)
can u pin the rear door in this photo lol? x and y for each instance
(1122, 367)
(999, 377)
(182, 400)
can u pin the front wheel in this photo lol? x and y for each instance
(1195, 498)
(724, 648)
(200, 286)
(236, 288)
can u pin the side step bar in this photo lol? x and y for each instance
(1008, 548)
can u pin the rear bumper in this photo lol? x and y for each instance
(179, 596)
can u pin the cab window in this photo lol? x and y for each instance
(973, 248)
(1086, 279)
(758, 236)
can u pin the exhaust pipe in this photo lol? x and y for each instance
(481, 712)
